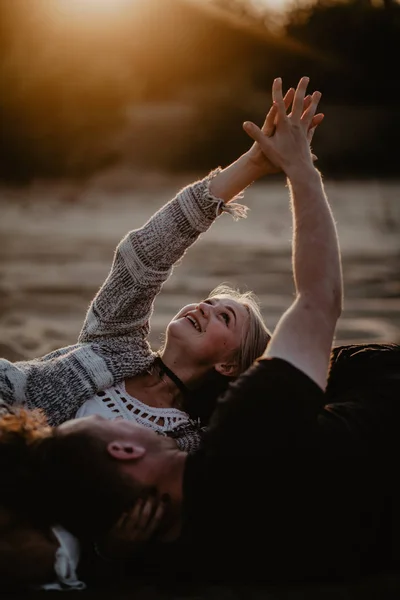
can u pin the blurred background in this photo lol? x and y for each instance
(109, 107)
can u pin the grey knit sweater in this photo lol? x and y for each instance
(113, 342)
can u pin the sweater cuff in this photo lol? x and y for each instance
(201, 207)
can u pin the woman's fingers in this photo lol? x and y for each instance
(288, 99)
(269, 124)
(303, 113)
(270, 120)
(254, 132)
(307, 102)
(317, 120)
(309, 113)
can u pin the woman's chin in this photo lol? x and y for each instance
(179, 329)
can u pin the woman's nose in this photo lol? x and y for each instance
(204, 308)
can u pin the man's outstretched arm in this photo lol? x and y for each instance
(304, 333)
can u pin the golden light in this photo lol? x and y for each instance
(93, 7)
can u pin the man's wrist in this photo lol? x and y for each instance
(303, 174)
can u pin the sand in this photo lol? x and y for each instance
(58, 239)
(57, 243)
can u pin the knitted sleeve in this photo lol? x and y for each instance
(144, 260)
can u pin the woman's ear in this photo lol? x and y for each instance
(125, 450)
(227, 369)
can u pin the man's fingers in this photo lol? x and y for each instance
(121, 521)
(298, 101)
(134, 514)
(127, 518)
(278, 98)
(145, 515)
(157, 518)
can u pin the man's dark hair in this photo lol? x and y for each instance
(84, 489)
(364, 390)
(360, 366)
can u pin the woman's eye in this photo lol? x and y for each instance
(225, 316)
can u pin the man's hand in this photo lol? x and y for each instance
(137, 526)
(303, 113)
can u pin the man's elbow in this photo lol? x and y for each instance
(328, 301)
(336, 301)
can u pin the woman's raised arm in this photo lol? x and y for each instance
(144, 260)
(145, 257)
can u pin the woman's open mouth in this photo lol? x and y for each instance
(194, 322)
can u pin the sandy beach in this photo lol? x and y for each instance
(57, 246)
(58, 241)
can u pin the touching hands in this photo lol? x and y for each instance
(303, 112)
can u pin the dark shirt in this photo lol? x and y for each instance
(281, 488)
(290, 484)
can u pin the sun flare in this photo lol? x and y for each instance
(93, 6)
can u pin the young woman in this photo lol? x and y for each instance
(111, 370)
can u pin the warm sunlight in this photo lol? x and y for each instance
(93, 7)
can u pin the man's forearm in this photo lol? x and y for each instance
(316, 255)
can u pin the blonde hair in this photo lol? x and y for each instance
(256, 335)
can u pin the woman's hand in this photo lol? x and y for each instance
(256, 163)
(135, 527)
(257, 156)
(289, 144)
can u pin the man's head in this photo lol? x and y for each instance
(95, 469)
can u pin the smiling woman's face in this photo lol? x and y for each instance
(210, 332)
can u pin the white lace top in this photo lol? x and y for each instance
(115, 402)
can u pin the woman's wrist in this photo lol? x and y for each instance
(259, 165)
(234, 178)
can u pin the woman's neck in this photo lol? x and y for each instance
(155, 388)
(189, 373)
